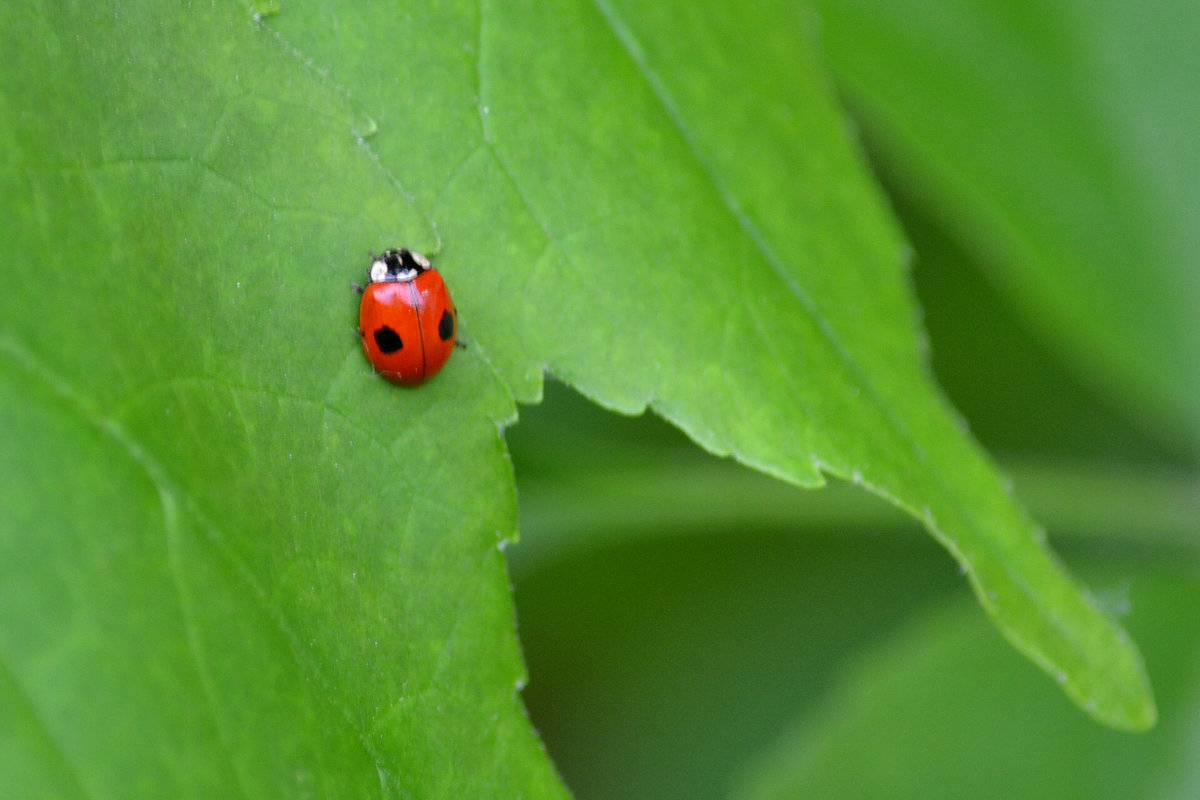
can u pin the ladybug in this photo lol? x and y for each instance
(406, 321)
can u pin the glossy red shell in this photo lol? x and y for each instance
(408, 327)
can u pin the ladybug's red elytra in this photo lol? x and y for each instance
(407, 321)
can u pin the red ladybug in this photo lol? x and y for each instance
(407, 321)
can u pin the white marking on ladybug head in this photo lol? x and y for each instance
(378, 272)
(420, 259)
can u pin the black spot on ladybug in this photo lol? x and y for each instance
(446, 326)
(388, 340)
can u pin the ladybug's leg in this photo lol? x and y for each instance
(357, 287)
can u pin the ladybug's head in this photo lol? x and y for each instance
(396, 265)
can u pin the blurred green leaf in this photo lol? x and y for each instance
(909, 718)
(1058, 141)
(1022, 397)
(659, 666)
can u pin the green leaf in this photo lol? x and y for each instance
(748, 288)
(225, 538)
(1060, 141)
(235, 563)
(910, 716)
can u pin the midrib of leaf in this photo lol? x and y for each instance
(728, 201)
(980, 543)
(625, 38)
